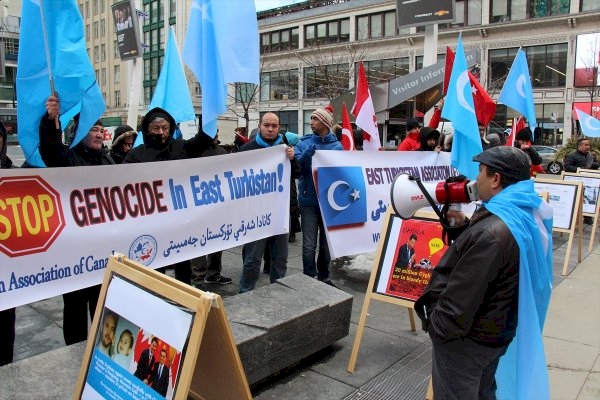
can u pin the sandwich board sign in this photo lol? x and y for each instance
(154, 337)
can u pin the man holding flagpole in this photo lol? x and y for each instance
(88, 152)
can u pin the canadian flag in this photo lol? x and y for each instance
(364, 112)
(347, 136)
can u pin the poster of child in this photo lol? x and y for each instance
(123, 352)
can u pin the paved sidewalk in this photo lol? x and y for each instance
(393, 363)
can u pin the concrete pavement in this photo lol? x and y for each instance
(393, 363)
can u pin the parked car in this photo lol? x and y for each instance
(549, 162)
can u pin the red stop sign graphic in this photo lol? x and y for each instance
(31, 216)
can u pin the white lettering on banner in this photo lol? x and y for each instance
(361, 233)
(155, 213)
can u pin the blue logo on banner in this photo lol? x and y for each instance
(143, 249)
(342, 195)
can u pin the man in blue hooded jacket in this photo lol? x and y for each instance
(321, 122)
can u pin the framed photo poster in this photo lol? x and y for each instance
(563, 198)
(411, 249)
(591, 189)
(153, 337)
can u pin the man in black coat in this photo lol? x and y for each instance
(89, 152)
(581, 158)
(159, 379)
(158, 127)
(7, 317)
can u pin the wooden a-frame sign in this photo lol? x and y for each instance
(565, 197)
(209, 365)
(591, 208)
(386, 244)
(371, 295)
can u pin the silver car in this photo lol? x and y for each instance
(548, 155)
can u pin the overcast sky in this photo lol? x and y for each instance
(262, 5)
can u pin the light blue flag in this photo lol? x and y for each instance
(70, 68)
(172, 93)
(590, 126)
(522, 372)
(139, 139)
(517, 92)
(221, 46)
(459, 109)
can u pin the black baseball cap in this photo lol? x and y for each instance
(511, 162)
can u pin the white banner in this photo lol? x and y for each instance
(354, 191)
(59, 225)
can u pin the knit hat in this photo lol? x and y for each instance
(325, 115)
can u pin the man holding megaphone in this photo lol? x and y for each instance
(496, 275)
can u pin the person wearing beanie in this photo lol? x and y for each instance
(89, 152)
(429, 140)
(412, 141)
(523, 142)
(321, 122)
(158, 128)
(122, 142)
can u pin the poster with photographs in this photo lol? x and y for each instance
(127, 29)
(138, 346)
(412, 249)
(591, 189)
(562, 197)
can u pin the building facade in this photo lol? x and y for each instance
(310, 52)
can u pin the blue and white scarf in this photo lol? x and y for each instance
(522, 372)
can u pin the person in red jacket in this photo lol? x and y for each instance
(412, 141)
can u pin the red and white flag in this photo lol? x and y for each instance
(517, 125)
(347, 136)
(364, 112)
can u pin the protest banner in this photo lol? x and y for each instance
(58, 226)
(354, 191)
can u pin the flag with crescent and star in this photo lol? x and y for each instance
(590, 126)
(342, 195)
(459, 108)
(517, 92)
